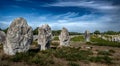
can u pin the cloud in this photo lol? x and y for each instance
(102, 16)
(90, 22)
(102, 6)
(3, 25)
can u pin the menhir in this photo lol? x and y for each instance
(64, 37)
(44, 36)
(19, 37)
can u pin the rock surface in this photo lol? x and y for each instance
(64, 37)
(87, 36)
(2, 37)
(44, 36)
(35, 37)
(19, 37)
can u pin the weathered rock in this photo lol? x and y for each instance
(35, 37)
(87, 36)
(19, 37)
(44, 36)
(64, 37)
(2, 37)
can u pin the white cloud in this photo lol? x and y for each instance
(87, 4)
(72, 21)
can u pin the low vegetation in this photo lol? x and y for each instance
(56, 38)
(101, 42)
(77, 38)
(46, 58)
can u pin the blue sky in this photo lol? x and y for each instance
(75, 15)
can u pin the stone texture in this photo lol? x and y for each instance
(64, 37)
(2, 37)
(35, 37)
(44, 36)
(87, 36)
(19, 37)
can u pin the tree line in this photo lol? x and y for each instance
(57, 32)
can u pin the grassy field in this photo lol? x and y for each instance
(46, 58)
(101, 42)
(75, 55)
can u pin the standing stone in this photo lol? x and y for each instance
(87, 36)
(19, 37)
(64, 37)
(44, 36)
(35, 37)
(2, 37)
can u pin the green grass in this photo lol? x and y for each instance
(56, 38)
(73, 64)
(43, 58)
(72, 54)
(4, 63)
(101, 42)
(55, 44)
(46, 58)
(104, 53)
(77, 38)
(35, 43)
(102, 59)
(1, 46)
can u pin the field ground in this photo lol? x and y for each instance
(79, 53)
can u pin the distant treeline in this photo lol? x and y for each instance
(107, 32)
(57, 32)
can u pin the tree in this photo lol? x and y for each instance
(97, 32)
(111, 32)
(35, 31)
(0, 29)
(56, 32)
(5, 30)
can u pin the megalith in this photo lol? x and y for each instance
(87, 36)
(19, 37)
(44, 36)
(64, 37)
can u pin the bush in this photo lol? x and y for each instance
(102, 59)
(73, 64)
(72, 54)
(43, 58)
(111, 51)
(4, 63)
(104, 53)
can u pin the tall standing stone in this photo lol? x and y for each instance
(2, 37)
(19, 37)
(87, 36)
(44, 36)
(64, 37)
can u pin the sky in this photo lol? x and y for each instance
(75, 15)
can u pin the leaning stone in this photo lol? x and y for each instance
(19, 37)
(64, 37)
(44, 36)
(2, 37)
